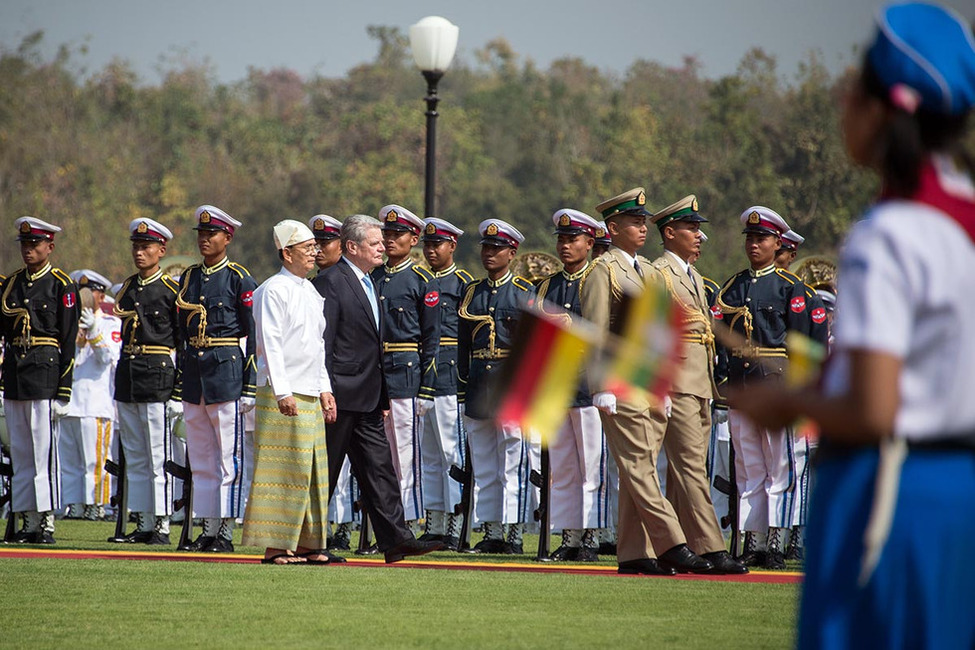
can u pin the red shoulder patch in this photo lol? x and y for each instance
(117, 337)
(716, 312)
(798, 304)
(247, 298)
(818, 315)
(432, 299)
(69, 300)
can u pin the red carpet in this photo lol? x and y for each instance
(777, 577)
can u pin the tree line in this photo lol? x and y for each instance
(91, 152)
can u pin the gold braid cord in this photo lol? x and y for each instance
(738, 313)
(692, 315)
(128, 317)
(17, 313)
(192, 308)
(481, 321)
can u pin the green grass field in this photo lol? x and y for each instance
(110, 603)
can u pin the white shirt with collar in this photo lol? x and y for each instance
(290, 324)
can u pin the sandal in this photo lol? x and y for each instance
(307, 555)
(272, 560)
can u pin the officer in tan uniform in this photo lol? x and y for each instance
(647, 521)
(687, 428)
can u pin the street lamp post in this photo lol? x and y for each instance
(433, 41)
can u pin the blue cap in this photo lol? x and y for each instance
(926, 53)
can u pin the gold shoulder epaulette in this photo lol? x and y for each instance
(170, 283)
(464, 275)
(422, 272)
(62, 276)
(788, 276)
(522, 283)
(239, 269)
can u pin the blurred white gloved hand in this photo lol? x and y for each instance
(247, 404)
(668, 406)
(174, 409)
(720, 415)
(59, 408)
(605, 402)
(87, 319)
(423, 406)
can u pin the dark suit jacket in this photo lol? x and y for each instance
(353, 347)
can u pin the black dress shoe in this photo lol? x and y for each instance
(339, 544)
(645, 566)
(369, 550)
(724, 564)
(684, 560)
(514, 548)
(565, 553)
(490, 546)
(198, 545)
(157, 539)
(430, 537)
(220, 545)
(411, 547)
(43, 537)
(775, 561)
(753, 558)
(450, 543)
(22, 537)
(607, 548)
(586, 554)
(138, 537)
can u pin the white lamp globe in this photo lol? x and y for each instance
(433, 41)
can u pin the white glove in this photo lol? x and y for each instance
(87, 319)
(59, 408)
(247, 404)
(423, 406)
(720, 416)
(668, 406)
(605, 402)
(174, 409)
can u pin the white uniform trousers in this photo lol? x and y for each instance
(34, 455)
(766, 474)
(83, 445)
(250, 423)
(215, 445)
(803, 451)
(440, 447)
(575, 456)
(145, 435)
(341, 509)
(403, 434)
(719, 457)
(502, 459)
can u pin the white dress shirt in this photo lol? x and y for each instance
(290, 323)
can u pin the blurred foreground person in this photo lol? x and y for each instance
(888, 559)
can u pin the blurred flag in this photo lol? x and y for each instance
(542, 372)
(806, 358)
(646, 356)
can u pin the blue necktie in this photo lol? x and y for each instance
(371, 294)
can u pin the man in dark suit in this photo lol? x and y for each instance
(354, 359)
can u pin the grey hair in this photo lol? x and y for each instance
(355, 229)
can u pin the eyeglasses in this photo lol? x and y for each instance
(307, 249)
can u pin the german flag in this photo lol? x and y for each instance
(543, 372)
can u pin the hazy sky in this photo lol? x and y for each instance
(329, 37)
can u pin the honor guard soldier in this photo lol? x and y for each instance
(85, 437)
(411, 335)
(39, 326)
(762, 303)
(341, 509)
(803, 446)
(215, 304)
(147, 382)
(442, 439)
(576, 452)
(488, 317)
(687, 429)
(647, 521)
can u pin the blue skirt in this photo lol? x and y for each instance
(922, 592)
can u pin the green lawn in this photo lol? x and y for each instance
(106, 603)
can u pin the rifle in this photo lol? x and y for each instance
(120, 499)
(542, 513)
(733, 513)
(464, 509)
(6, 475)
(185, 501)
